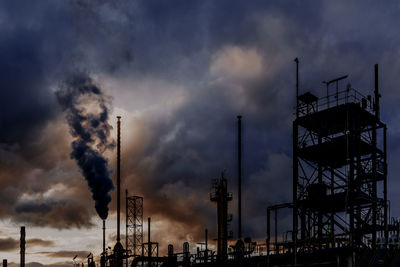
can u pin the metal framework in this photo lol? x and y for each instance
(221, 196)
(340, 209)
(340, 173)
(134, 225)
(149, 250)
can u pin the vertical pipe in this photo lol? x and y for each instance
(22, 246)
(332, 212)
(376, 93)
(327, 93)
(374, 159)
(351, 186)
(224, 200)
(206, 238)
(239, 117)
(320, 222)
(295, 182)
(126, 220)
(149, 242)
(276, 231)
(297, 86)
(385, 184)
(170, 250)
(148, 235)
(268, 229)
(337, 93)
(206, 252)
(118, 177)
(104, 239)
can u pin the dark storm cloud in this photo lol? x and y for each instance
(8, 244)
(61, 197)
(104, 35)
(61, 216)
(197, 141)
(26, 67)
(31, 207)
(39, 242)
(66, 253)
(42, 43)
(44, 40)
(210, 49)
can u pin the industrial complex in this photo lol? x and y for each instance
(340, 208)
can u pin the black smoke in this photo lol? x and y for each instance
(87, 111)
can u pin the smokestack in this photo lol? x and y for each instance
(118, 177)
(239, 117)
(118, 249)
(22, 245)
(104, 240)
(4, 263)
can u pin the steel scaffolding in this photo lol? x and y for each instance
(221, 196)
(339, 158)
(134, 225)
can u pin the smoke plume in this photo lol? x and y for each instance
(87, 110)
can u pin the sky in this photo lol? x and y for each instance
(178, 72)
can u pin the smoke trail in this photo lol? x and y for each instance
(86, 110)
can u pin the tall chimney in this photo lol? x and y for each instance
(118, 177)
(103, 263)
(239, 117)
(22, 246)
(118, 248)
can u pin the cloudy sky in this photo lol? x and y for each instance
(178, 72)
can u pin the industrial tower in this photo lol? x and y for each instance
(134, 225)
(339, 169)
(339, 174)
(220, 195)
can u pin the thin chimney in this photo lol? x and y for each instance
(239, 117)
(104, 238)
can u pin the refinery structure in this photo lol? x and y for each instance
(340, 209)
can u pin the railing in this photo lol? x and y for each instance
(343, 97)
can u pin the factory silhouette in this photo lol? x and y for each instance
(340, 210)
